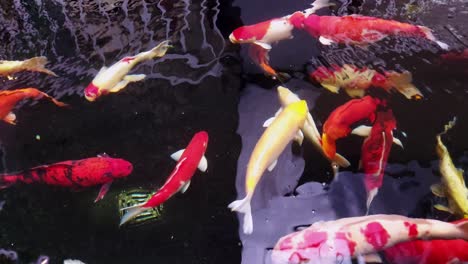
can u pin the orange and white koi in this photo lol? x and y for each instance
(357, 29)
(8, 100)
(355, 81)
(262, 35)
(116, 78)
(364, 236)
(285, 127)
(36, 64)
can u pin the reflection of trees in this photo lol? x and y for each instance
(79, 37)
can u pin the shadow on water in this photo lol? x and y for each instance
(195, 87)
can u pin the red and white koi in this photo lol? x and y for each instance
(116, 78)
(365, 236)
(375, 150)
(355, 81)
(284, 128)
(188, 160)
(262, 35)
(357, 29)
(36, 64)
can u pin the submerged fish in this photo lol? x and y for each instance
(357, 29)
(375, 150)
(429, 251)
(187, 162)
(262, 35)
(8, 100)
(309, 129)
(77, 174)
(116, 78)
(285, 127)
(365, 236)
(37, 64)
(339, 123)
(452, 185)
(456, 56)
(355, 81)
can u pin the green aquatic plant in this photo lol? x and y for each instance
(138, 196)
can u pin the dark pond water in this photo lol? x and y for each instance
(206, 83)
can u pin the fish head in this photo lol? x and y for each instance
(268, 32)
(120, 167)
(286, 96)
(202, 137)
(92, 92)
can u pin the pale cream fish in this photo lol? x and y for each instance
(36, 64)
(269, 147)
(116, 77)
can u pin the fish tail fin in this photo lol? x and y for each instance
(341, 161)
(55, 101)
(243, 206)
(316, 5)
(158, 51)
(132, 212)
(38, 64)
(370, 197)
(428, 34)
(403, 83)
(282, 77)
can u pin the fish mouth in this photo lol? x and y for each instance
(232, 38)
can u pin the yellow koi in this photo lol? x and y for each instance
(285, 127)
(452, 185)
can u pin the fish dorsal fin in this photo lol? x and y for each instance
(438, 190)
(203, 165)
(363, 131)
(299, 137)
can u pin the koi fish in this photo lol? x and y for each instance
(364, 236)
(262, 35)
(456, 56)
(8, 100)
(357, 29)
(309, 130)
(375, 151)
(429, 251)
(116, 78)
(285, 127)
(452, 185)
(355, 81)
(36, 64)
(187, 162)
(77, 174)
(338, 124)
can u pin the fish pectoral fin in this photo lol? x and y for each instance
(299, 137)
(176, 155)
(184, 187)
(355, 92)
(438, 190)
(203, 165)
(331, 87)
(325, 41)
(443, 208)
(134, 77)
(398, 142)
(272, 165)
(119, 86)
(263, 45)
(268, 122)
(363, 131)
(10, 118)
(102, 192)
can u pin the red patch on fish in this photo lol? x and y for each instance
(128, 59)
(313, 239)
(253, 32)
(412, 229)
(376, 235)
(351, 244)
